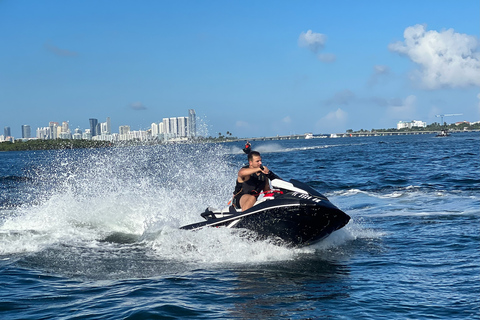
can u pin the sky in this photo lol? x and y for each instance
(253, 68)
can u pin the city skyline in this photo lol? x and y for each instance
(251, 68)
(168, 128)
(166, 122)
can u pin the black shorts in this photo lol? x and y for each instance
(236, 200)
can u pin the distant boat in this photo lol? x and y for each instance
(308, 136)
(333, 135)
(443, 133)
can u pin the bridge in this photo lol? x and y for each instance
(349, 135)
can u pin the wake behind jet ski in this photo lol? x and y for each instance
(292, 213)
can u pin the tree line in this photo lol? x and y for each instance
(56, 144)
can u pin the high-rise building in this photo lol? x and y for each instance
(63, 132)
(87, 135)
(154, 128)
(192, 124)
(93, 126)
(53, 129)
(166, 125)
(78, 134)
(103, 128)
(109, 126)
(43, 133)
(161, 128)
(174, 126)
(98, 129)
(123, 129)
(182, 123)
(7, 132)
(64, 127)
(26, 132)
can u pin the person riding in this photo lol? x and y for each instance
(248, 147)
(251, 181)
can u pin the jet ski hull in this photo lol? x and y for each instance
(300, 225)
(294, 219)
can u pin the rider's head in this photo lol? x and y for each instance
(254, 159)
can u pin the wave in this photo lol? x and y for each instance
(274, 147)
(136, 198)
(14, 179)
(408, 201)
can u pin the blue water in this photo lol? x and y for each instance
(93, 234)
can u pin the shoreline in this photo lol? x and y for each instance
(38, 145)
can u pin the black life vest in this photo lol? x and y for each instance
(252, 186)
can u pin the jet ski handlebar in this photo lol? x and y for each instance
(270, 175)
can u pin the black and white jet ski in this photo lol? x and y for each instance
(292, 213)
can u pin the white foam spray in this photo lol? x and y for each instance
(143, 194)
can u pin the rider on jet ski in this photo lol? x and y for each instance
(251, 180)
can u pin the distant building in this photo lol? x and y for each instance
(53, 130)
(182, 125)
(173, 127)
(192, 124)
(166, 126)
(9, 138)
(26, 132)
(411, 124)
(93, 126)
(63, 132)
(161, 128)
(104, 128)
(87, 135)
(109, 126)
(43, 133)
(123, 129)
(123, 132)
(7, 132)
(78, 134)
(154, 128)
(65, 127)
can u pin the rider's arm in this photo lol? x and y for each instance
(245, 172)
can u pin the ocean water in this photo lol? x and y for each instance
(93, 234)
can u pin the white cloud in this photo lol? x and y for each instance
(327, 57)
(333, 122)
(446, 58)
(138, 106)
(406, 111)
(344, 97)
(287, 119)
(58, 51)
(312, 40)
(338, 115)
(241, 124)
(380, 72)
(379, 69)
(478, 96)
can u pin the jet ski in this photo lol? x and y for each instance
(292, 214)
(248, 148)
